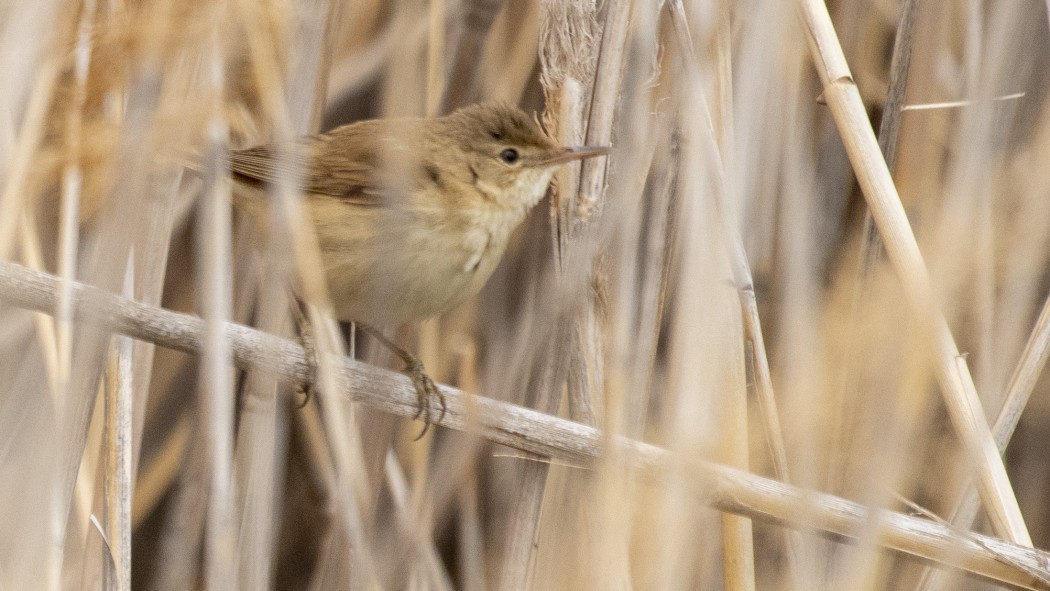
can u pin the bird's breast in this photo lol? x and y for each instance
(411, 265)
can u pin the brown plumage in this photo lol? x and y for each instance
(412, 215)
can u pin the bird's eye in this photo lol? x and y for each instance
(510, 155)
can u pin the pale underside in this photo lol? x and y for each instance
(410, 258)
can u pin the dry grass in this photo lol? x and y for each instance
(738, 380)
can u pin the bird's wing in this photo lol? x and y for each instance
(343, 164)
(261, 165)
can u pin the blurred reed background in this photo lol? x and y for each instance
(628, 302)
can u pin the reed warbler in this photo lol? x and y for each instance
(411, 215)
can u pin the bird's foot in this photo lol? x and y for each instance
(306, 389)
(426, 389)
(306, 339)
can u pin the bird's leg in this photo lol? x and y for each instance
(425, 387)
(306, 339)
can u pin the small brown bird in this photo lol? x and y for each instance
(412, 215)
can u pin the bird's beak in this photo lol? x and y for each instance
(578, 153)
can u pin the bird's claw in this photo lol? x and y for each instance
(425, 390)
(306, 391)
(306, 339)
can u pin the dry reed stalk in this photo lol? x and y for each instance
(32, 256)
(604, 97)
(260, 453)
(72, 179)
(435, 57)
(707, 351)
(507, 66)
(462, 84)
(737, 537)
(118, 482)
(216, 376)
(47, 335)
(352, 74)
(91, 503)
(567, 62)
(517, 562)
(261, 444)
(30, 134)
(889, 126)
(742, 278)
(957, 387)
(568, 52)
(471, 548)
(433, 572)
(1023, 381)
(719, 486)
(180, 541)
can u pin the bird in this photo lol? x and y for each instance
(412, 215)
